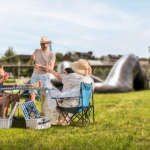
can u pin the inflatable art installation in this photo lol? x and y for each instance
(126, 75)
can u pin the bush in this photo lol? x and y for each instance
(97, 71)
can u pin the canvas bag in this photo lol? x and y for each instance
(49, 108)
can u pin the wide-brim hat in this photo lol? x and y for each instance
(81, 67)
(44, 39)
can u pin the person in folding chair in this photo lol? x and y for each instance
(71, 79)
(9, 98)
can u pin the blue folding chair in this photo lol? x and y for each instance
(83, 111)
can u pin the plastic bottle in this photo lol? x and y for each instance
(6, 76)
(34, 58)
(40, 83)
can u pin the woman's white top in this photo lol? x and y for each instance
(71, 88)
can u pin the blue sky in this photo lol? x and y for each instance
(105, 27)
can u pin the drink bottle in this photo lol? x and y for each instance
(40, 83)
(6, 76)
(48, 64)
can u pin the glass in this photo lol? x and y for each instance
(21, 86)
(24, 81)
(36, 84)
(20, 81)
(29, 85)
(48, 65)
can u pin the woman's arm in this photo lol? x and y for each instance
(51, 66)
(56, 74)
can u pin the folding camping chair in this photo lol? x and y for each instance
(83, 111)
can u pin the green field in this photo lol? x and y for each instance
(122, 122)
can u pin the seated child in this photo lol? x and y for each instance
(8, 98)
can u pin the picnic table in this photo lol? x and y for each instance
(11, 90)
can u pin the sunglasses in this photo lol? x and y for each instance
(44, 43)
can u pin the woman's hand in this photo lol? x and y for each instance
(49, 70)
(56, 74)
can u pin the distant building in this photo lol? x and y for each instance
(143, 60)
(144, 64)
(84, 55)
(95, 63)
(70, 57)
(111, 58)
(24, 58)
(74, 56)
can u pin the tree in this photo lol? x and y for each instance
(59, 57)
(93, 58)
(149, 60)
(10, 56)
(97, 71)
(107, 70)
(148, 73)
(102, 58)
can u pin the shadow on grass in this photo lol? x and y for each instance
(19, 123)
(110, 105)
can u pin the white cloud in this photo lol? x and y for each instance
(83, 25)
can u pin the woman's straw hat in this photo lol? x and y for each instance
(81, 67)
(44, 39)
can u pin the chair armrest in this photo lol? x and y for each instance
(65, 97)
(46, 88)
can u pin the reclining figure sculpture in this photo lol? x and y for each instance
(126, 75)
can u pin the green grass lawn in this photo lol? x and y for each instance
(122, 122)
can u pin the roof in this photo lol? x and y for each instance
(144, 63)
(24, 56)
(145, 59)
(74, 57)
(95, 62)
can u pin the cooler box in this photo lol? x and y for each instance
(7, 122)
(32, 117)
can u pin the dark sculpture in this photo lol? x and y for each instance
(126, 75)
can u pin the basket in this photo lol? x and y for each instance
(7, 122)
(38, 123)
(32, 117)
